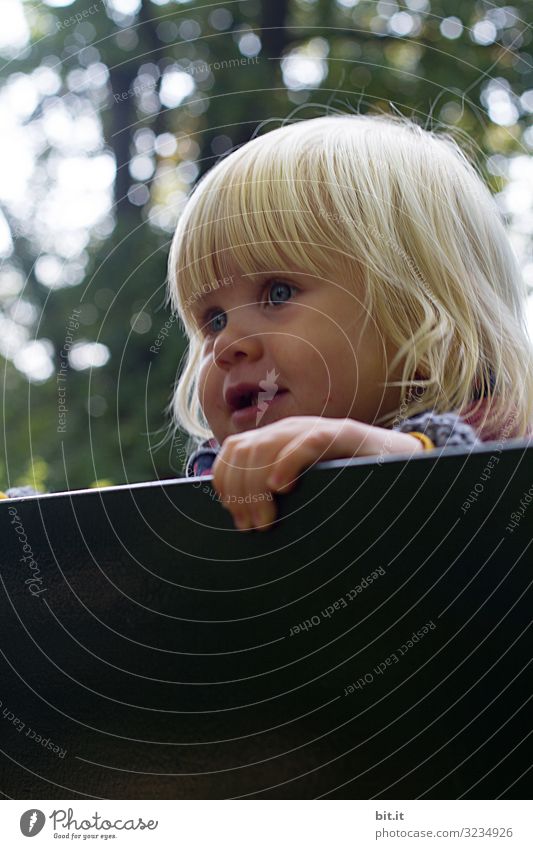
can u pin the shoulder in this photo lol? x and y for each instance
(19, 492)
(444, 429)
(201, 460)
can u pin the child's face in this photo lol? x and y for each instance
(303, 338)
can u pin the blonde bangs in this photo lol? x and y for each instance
(263, 208)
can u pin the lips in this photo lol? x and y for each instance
(253, 416)
(243, 395)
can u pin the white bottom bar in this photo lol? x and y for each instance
(268, 824)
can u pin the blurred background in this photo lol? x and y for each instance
(111, 110)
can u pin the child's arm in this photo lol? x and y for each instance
(270, 459)
(254, 464)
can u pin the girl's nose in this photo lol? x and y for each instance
(236, 343)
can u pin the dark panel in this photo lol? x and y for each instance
(158, 653)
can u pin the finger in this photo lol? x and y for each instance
(240, 473)
(236, 480)
(320, 443)
(262, 507)
(221, 484)
(245, 484)
(266, 517)
(225, 485)
(292, 460)
(224, 462)
(241, 521)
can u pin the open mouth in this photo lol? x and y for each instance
(247, 399)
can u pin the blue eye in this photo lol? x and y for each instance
(279, 292)
(216, 321)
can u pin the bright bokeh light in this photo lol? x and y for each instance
(47, 80)
(499, 100)
(175, 87)
(34, 359)
(77, 130)
(306, 66)
(124, 7)
(23, 312)
(48, 271)
(11, 281)
(12, 336)
(249, 44)
(484, 32)
(6, 243)
(85, 355)
(402, 23)
(141, 167)
(165, 144)
(17, 156)
(451, 27)
(14, 31)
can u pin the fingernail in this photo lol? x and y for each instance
(279, 484)
(257, 517)
(264, 521)
(241, 522)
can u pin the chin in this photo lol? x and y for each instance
(272, 416)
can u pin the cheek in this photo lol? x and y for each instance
(208, 389)
(301, 350)
(337, 371)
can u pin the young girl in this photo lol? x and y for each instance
(347, 289)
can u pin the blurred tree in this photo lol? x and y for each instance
(111, 110)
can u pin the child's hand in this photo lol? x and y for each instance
(256, 463)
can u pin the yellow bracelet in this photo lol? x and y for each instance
(428, 444)
(3, 495)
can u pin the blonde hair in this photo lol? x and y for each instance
(345, 197)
